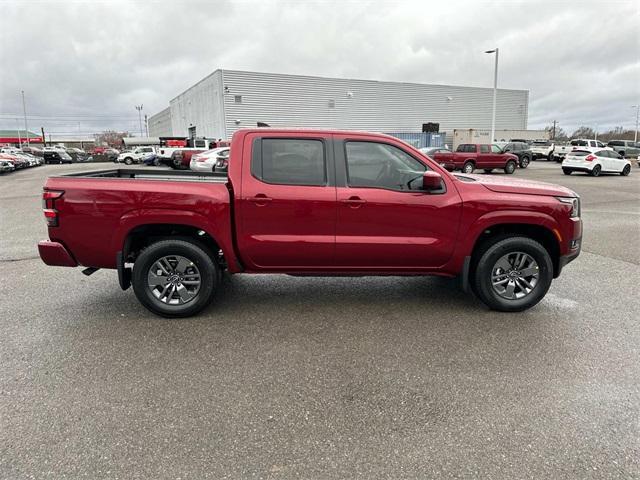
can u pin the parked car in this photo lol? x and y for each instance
(56, 156)
(6, 166)
(520, 150)
(166, 153)
(181, 158)
(469, 156)
(595, 163)
(215, 160)
(311, 202)
(31, 160)
(32, 150)
(625, 148)
(137, 155)
(560, 151)
(542, 149)
(17, 162)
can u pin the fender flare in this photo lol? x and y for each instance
(141, 217)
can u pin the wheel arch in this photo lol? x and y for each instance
(541, 233)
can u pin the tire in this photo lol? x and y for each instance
(595, 172)
(184, 300)
(156, 162)
(128, 161)
(510, 167)
(567, 171)
(626, 170)
(468, 167)
(550, 157)
(524, 162)
(488, 267)
(488, 170)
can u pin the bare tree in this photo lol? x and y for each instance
(560, 134)
(584, 132)
(111, 138)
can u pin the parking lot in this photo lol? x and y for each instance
(283, 377)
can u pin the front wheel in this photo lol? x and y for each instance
(550, 157)
(510, 167)
(175, 278)
(626, 170)
(595, 172)
(128, 161)
(524, 162)
(512, 274)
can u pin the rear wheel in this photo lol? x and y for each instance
(567, 171)
(595, 172)
(128, 161)
(175, 278)
(512, 274)
(468, 167)
(510, 167)
(626, 170)
(550, 157)
(524, 162)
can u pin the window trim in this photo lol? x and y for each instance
(426, 165)
(256, 155)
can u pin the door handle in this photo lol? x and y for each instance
(260, 199)
(353, 202)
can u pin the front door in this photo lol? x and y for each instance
(287, 204)
(384, 218)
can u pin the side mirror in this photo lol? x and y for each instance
(431, 181)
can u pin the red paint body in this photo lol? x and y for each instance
(480, 157)
(332, 229)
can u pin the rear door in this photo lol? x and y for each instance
(384, 218)
(287, 204)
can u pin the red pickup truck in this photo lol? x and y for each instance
(469, 156)
(306, 202)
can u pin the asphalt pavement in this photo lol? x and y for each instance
(283, 377)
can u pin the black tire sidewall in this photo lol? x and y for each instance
(482, 273)
(596, 171)
(464, 167)
(191, 250)
(510, 169)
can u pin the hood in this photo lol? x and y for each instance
(518, 185)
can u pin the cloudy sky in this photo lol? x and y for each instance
(84, 64)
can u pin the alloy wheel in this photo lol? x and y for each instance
(515, 275)
(174, 280)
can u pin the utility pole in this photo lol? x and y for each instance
(635, 135)
(44, 139)
(146, 124)
(19, 136)
(554, 130)
(139, 109)
(495, 92)
(24, 111)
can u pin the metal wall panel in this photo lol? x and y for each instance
(228, 100)
(160, 124)
(317, 102)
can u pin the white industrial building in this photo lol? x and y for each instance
(228, 100)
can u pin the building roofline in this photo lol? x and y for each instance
(342, 79)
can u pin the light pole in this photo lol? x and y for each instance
(139, 109)
(635, 135)
(495, 92)
(24, 111)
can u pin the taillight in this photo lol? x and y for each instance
(49, 198)
(590, 158)
(200, 159)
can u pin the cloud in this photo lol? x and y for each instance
(93, 61)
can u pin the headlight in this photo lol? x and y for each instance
(575, 205)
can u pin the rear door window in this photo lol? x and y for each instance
(290, 161)
(485, 149)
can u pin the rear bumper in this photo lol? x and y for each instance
(55, 254)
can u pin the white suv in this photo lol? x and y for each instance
(136, 155)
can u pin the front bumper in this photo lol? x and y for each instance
(55, 254)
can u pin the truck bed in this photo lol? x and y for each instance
(174, 176)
